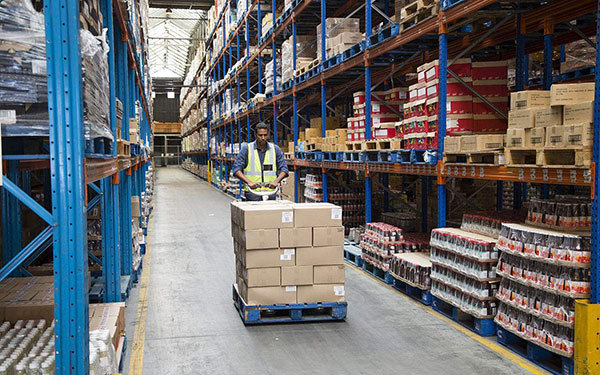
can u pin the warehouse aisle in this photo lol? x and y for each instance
(192, 326)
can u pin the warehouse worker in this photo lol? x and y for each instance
(260, 162)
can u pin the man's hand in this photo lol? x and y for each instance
(273, 185)
(253, 185)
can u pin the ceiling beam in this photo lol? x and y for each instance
(181, 4)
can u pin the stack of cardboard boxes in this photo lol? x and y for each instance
(557, 119)
(287, 252)
(342, 33)
(313, 135)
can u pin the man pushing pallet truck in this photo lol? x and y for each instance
(289, 256)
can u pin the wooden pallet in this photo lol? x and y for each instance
(419, 16)
(354, 146)
(563, 157)
(382, 144)
(306, 68)
(476, 157)
(313, 146)
(123, 148)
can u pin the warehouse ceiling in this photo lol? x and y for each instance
(183, 4)
(173, 32)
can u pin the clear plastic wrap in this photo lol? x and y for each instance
(578, 55)
(94, 52)
(23, 83)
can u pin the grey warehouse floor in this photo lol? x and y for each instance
(192, 326)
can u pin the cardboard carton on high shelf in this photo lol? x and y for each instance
(295, 237)
(468, 143)
(296, 275)
(334, 274)
(325, 255)
(135, 206)
(549, 116)
(579, 135)
(571, 93)
(529, 99)
(515, 137)
(555, 136)
(578, 113)
(521, 118)
(321, 293)
(328, 236)
(535, 137)
(330, 122)
(312, 133)
(317, 215)
(452, 144)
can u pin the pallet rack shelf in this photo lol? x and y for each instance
(77, 182)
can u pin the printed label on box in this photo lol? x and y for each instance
(339, 290)
(285, 257)
(289, 251)
(290, 289)
(287, 216)
(336, 213)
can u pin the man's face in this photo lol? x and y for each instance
(262, 137)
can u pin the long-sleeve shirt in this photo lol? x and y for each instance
(242, 159)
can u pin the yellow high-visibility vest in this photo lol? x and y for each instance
(257, 172)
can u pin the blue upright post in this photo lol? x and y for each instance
(323, 94)
(248, 132)
(521, 78)
(260, 76)
(424, 209)
(548, 51)
(65, 108)
(443, 75)
(595, 264)
(368, 29)
(11, 215)
(295, 110)
(111, 265)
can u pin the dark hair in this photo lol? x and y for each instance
(261, 125)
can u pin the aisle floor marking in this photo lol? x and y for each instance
(494, 346)
(136, 362)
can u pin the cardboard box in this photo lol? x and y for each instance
(312, 133)
(259, 239)
(549, 116)
(555, 136)
(321, 293)
(342, 134)
(269, 258)
(515, 137)
(296, 275)
(468, 143)
(135, 206)
(521, 118)
(579, 113)
(270, 276)
(330, 274)
(579, 135)
(288, 187)
(535, 137)
(452, 144)
(529, 99)
(331, 123)
(319, 256)
(489, 142)
(328, 236)
(572, 93)
(268, 295)
(263, 215)
(317, 215)
(295, 237)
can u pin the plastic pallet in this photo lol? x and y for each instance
(383, 35)
(372, 156)
(314, 156)
(546, 359)
(136, 149)
(483, 327)
(123, 352)
(286, 86)
(143, 248)
(301, 155)
(446, 4)
(576, 74)
(99, 148)
(126, 284)
(423, 296)
(377, 272)
(353, 156)
(292, 313)
(333, 156)
(418, 157)
(331, 62)
(352, 256)
(353, 51)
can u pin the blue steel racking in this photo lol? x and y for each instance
(70, 174)
(448, 36)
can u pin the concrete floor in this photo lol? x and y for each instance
(193, 328)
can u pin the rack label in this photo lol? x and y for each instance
(573, 176)
(545, 174)
(559, 175)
